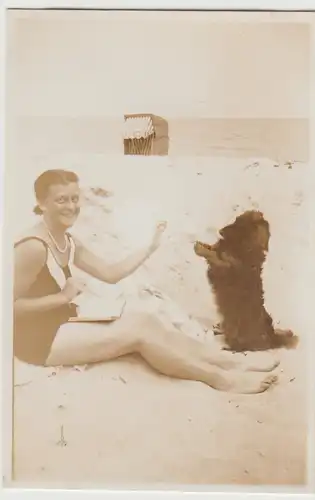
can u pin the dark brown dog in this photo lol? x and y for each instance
(235, 265)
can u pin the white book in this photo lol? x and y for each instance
(93, 308)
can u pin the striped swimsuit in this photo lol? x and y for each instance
(34, 333)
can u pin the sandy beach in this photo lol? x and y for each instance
(122, 424)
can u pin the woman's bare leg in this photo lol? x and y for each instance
(168, 352)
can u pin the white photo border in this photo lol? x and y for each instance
(298, 6)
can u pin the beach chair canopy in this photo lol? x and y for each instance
(138, 127)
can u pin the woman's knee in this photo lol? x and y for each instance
(144, 327)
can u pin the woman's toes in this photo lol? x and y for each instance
(268, 382)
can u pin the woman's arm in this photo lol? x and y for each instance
(97, 267)
(23, 306)
(30, 258)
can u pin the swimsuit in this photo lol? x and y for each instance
(34, 333)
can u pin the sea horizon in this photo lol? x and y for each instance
(280, 139)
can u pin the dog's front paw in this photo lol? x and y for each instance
(200, 249)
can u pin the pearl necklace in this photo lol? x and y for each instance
(61, 250)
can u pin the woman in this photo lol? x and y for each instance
(44, 289)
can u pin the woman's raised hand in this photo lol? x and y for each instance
(158, 234)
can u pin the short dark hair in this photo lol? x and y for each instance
(50, 178)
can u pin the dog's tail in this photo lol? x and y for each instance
(285, 338)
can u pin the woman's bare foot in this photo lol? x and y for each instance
(245, 383)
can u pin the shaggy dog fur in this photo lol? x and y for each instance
(235, 265)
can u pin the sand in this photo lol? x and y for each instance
(120, 423)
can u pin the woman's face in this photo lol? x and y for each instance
(62, 204)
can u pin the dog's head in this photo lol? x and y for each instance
(247, 238)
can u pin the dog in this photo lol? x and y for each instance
(235, 264)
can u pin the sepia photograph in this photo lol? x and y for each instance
(157, 207)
